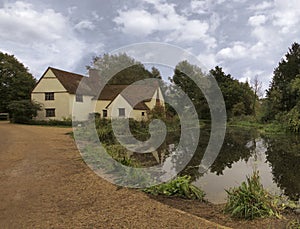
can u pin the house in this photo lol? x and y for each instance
(57, 91)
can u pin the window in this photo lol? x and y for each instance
(104, 113)
(49, 96)
(121, 112)
(143, 113)
(50, 112)
(79, 98)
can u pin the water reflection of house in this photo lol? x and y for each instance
(57, 92)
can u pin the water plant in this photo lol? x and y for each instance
(250, 200)
(180, 187)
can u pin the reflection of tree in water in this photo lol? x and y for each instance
(284, 156)
(235, 147)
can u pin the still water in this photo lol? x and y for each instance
(276, 157)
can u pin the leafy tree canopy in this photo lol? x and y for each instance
(238, 96)
(22, 111)
(122, 68)
(16, 83)
(283, 93)
(183, 74)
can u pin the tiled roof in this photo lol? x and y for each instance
(136, 94)
(69, 80)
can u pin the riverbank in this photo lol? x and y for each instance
(45, 183)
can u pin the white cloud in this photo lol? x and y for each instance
(137, 22)
(250, 74)
(208, 60)
(262, 6)
(286, 15)
(72, 9)
(39, 39)
(199, 7)
(96, 16)
(140, 22)
(85, 25)
(257, 20)
(238, 50)
(215, 22)
(203, 6)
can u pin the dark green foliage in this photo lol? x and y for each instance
(16, 83)
(139, 129)
(183, 74)
(238, 109)
(250, 200)
(283, 94)
(238, 96)
(180, 187)
(155, 73)
(105, 131)
(292, 119)
(118, 152)
(122, 68)
(283, 155)
(66, 123)
(158, 112)
(23, 111)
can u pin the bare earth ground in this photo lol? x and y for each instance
(45, 184)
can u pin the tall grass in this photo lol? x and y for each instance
(180, 187)
(250, 200)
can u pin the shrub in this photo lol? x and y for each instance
(250, 200)
(239, 109)
(181, 187)
(66, 122)
(292, 119)
(22, 111)
(119, 153)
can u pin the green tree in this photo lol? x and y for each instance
(183, 74)
(23, 111)
(16, 83)
(122, 68)
(238, 96)
(281, 96)
(155, 73)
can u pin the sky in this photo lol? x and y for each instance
(244, 37)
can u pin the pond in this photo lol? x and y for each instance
(276, 157)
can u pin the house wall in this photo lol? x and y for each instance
(49, 83)
(60, 103)
(101, 105)
(137, 115)
(80, 111)
(119, 102)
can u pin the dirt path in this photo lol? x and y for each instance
(44, 183)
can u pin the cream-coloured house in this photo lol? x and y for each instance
(57, 92)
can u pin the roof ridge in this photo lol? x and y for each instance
(73, 73)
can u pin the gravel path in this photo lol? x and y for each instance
(45, 184)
